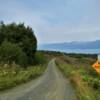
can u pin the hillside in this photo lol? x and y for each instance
(72, 45)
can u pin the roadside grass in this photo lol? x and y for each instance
(15, 75)
(81, 75)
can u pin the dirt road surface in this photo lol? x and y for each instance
(50, 86)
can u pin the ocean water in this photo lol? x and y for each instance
(83, 51)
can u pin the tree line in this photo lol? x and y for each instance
(18, 44)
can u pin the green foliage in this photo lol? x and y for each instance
(96, 83)
(82, 89)
(16, 75)
(17, 43)
(39, 58)
(12, 53)
(81, 74)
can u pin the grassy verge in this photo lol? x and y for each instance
(81, 75)
(11, 77)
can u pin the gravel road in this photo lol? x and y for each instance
(50, 86)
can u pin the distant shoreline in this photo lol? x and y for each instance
(76, 51)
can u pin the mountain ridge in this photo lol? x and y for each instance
(73, 45)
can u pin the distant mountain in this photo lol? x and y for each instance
(72, 45)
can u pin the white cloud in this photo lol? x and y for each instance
(63, 34)
(66, 20)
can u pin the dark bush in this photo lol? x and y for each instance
(39, 58)
(10, 52)
(17, 43)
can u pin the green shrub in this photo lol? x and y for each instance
(95, 83)
(18, 39)
(39, 58)
(10, 53)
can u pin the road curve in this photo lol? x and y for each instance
(50, 86)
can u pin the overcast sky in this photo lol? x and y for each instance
(55, 20)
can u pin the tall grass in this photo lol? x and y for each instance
(11, 77)
(81, 76)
